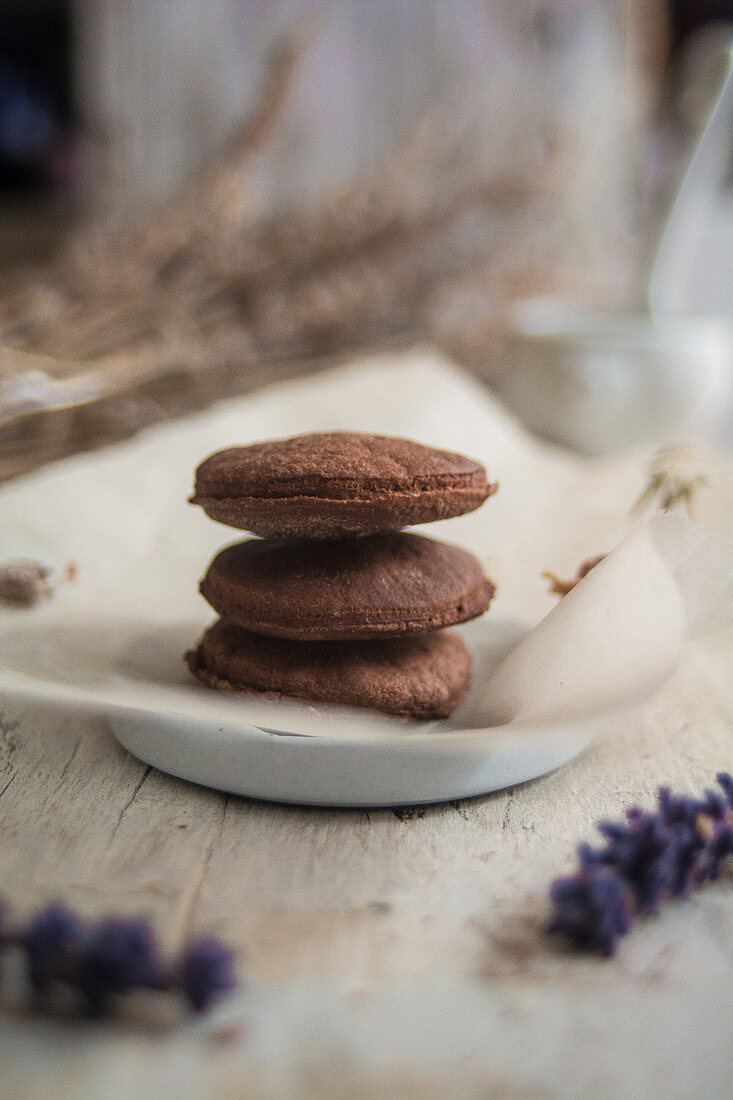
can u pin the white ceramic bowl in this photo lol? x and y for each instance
(600, 382)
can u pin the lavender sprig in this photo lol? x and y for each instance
(648, 858)
(207, 973)
(101, 962)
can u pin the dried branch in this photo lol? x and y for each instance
(208, 299)
(212, 189)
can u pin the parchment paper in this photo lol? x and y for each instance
(122, 515)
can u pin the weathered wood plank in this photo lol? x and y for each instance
(388, 952)
(356, 925)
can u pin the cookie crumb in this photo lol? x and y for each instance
(561, 588)
(25, 583)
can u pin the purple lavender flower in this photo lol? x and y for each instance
(638, 851)
(119, 955)
(207, 973)
(725, 781)
(712, 805)
(593, 909)
(647, 858)
(678, 809)
(114, 957)
(52, 941)
(716, 854)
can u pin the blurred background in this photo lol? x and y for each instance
(198, 197)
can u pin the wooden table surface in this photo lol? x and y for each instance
(391, 952)
(386, 952)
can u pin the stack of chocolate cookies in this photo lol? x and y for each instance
(334, 602)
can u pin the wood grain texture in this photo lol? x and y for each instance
(388, 952)
(392, 952)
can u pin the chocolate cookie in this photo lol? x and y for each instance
(417, 677)
(335, 484)
(388, 584)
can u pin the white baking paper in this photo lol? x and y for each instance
(114, 639)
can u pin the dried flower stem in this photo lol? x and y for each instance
(208, 298)
(675, 478)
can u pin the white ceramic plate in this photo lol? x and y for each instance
(279, 750)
